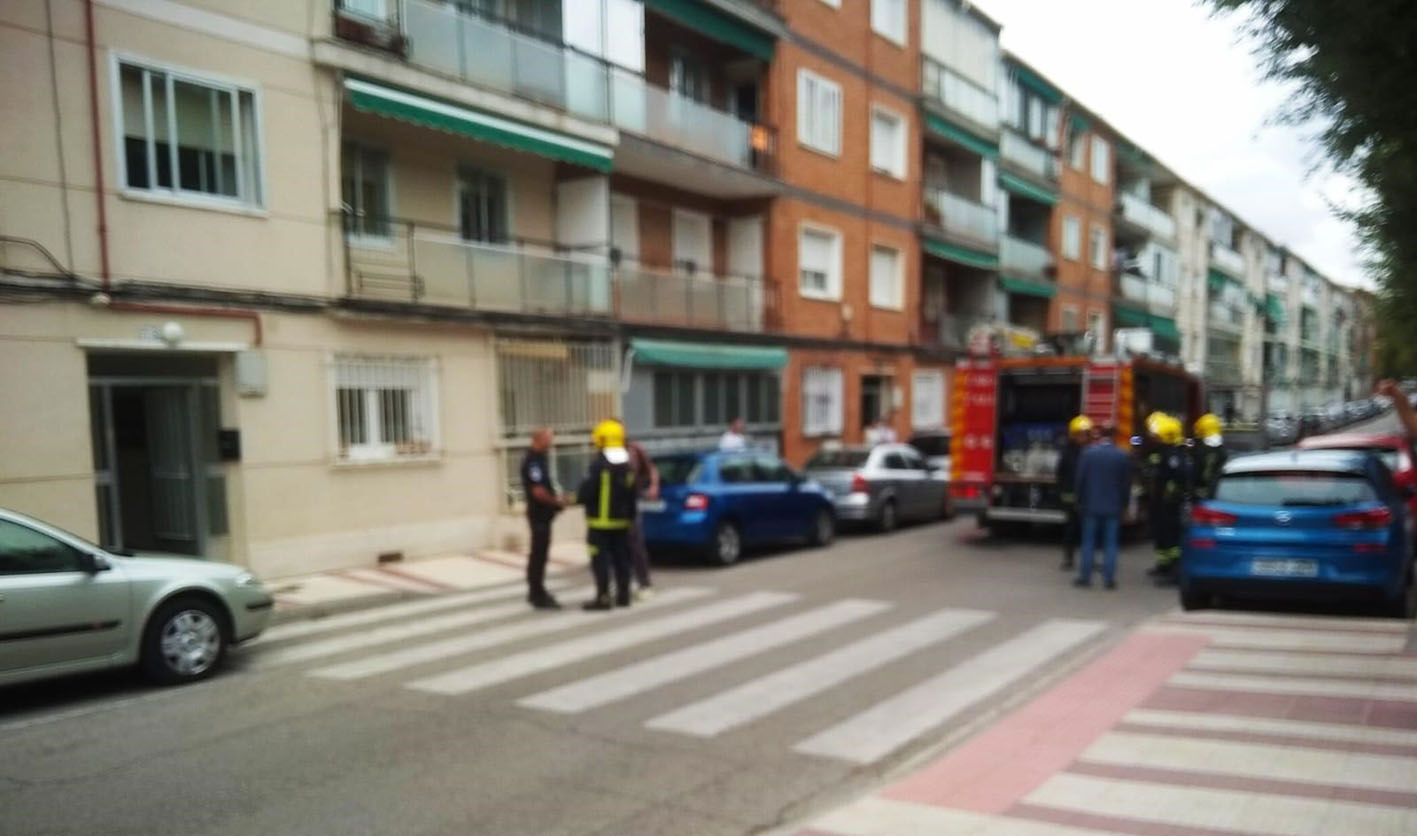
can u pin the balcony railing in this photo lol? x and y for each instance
(1225, 317)
(1158, 298)
(1277, 283)
(952, 330)
(940, 84)
(430, 265)
(487, 53)
(1310, 296)
(1227, 260)
(960, 215)
(1222, 371)
(1141, 213)
(1024, 257)
(1032, 158)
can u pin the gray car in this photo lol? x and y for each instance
(883, 485)
(68, 606)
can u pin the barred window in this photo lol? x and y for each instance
(385, 407)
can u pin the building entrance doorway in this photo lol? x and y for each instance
(876, 398)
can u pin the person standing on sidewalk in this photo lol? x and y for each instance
(1104, 486)
(733, 439)
(1079, 434)
(647, 480)
(608, 495)
(543, 503)
(1171, 483)
(1209, 456)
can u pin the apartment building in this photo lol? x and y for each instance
(1028, 194)
(1092, 277)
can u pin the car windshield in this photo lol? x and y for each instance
(1390, 457)
(1295, 489)
(838, 458)
(677, 470)
(932, 445)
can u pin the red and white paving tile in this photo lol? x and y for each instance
(1208, 722)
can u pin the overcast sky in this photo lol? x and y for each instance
(1184, 86)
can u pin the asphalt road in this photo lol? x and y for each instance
(847, 663)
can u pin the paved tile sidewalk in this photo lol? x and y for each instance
(1208, 722)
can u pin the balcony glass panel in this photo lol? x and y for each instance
(1028, 156)
(732, 303)
(960, 215)
(1139, 212)
(1024, 257)
(658, 114)
(943, 85)
(1227, 259)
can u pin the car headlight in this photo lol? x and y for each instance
(247, 579)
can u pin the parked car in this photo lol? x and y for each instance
(1395, 451)
(717, 504)
(1306, 524)
(68, 606)
(882, 485)
(934, 446)
(1282, 427)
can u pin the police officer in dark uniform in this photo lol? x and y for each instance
(542, 505)
(608, 494)
(1079, 434)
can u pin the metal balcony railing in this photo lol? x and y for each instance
(1226, 259)
(1226, 317)
(1032, 158)
(1025, 257)
(1222, 371)
(720, 303)
(946, 87)
(952, 330)
(1158, 298)
(1141, 213)
(960, 215)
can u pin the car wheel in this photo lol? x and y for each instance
(727, 544)
(823, 529)
(184, 641)
(1194, 599)
(887, 520)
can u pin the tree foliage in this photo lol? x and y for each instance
(1354, 63)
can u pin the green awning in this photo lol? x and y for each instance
(1035, 83)
(1080, 124)
(707, 355)
(1164, 327)
(960, 136)
(1025, 188)
(1028, 287)
(961, 255)
(706, 20)
(1216, 280)
(1274, 309)
(431, 113)
(1125, 316)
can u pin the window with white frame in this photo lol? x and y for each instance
(188, 136)
(887, 142)
(927, 399)
(887, 284)
(1077, 149)
(364, 190)
(819, 262)
(888, 19)
(1098, 242)
(385, 407)
(1101, 160)
(818, 112)
(1072, 238)
(822, 401)
(1069, 319)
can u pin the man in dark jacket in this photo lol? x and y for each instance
(542, 505)
(1079, 433)
(608, 495)
(1104, 487)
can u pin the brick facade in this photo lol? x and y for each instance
(1080, 285)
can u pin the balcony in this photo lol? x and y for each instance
(1226, 318)
(424, 264)
(1310, 296)
(952, 330)
(442, 38)
(1277, 283)
(942, 86)
(1157, 298)
(1227, 260)
(1025, 155)
(961, 216)
(1222, 370)
(1140, 214)
(1025, 258)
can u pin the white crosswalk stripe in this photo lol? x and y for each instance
(578, 650)
(890, 724)
(669, 667)
(761, 697)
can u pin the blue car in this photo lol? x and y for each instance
(716, 504)
(1308, 524)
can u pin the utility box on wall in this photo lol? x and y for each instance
(250, 374)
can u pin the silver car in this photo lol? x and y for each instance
(883, 485)
(68, 606)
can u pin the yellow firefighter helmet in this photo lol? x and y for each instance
(1080, 425)
(1170, 431)
(607, 434)
(1207, 425)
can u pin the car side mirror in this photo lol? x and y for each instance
(92, 564)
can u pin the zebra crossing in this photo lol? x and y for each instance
(460, 645)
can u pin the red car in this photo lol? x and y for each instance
(1395, 451)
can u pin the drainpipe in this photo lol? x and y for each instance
(97, 147)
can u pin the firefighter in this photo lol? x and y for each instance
(1209, 456)
(1079, 436)
(608, 495)
(1169, 484)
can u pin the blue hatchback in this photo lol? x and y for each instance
(1309, 524)
(717, 503)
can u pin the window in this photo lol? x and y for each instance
(1101, 160)
(1051, 126)
(1035, 118)
(895, 461)
(887, 142)
(927, 400)
(818, 112)
(385, 407)
(735, 470)
(24, 551)
(1072, 238)
(688, 76)
(1068, 316)
(886, 280)
(888, 19)
(364, 8)
(1077, 149)
(674, 399)
(1098, 242)
(188, 136)
(482, 206)
(821, 401)
(364, 188)
(1097, 324)
(819, 263)
(768, 468)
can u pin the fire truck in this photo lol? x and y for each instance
(1011, 410)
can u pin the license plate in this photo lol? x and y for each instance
(651, 505)
(1285, 568)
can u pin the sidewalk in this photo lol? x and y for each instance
(1206, 722)
(323, 593)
